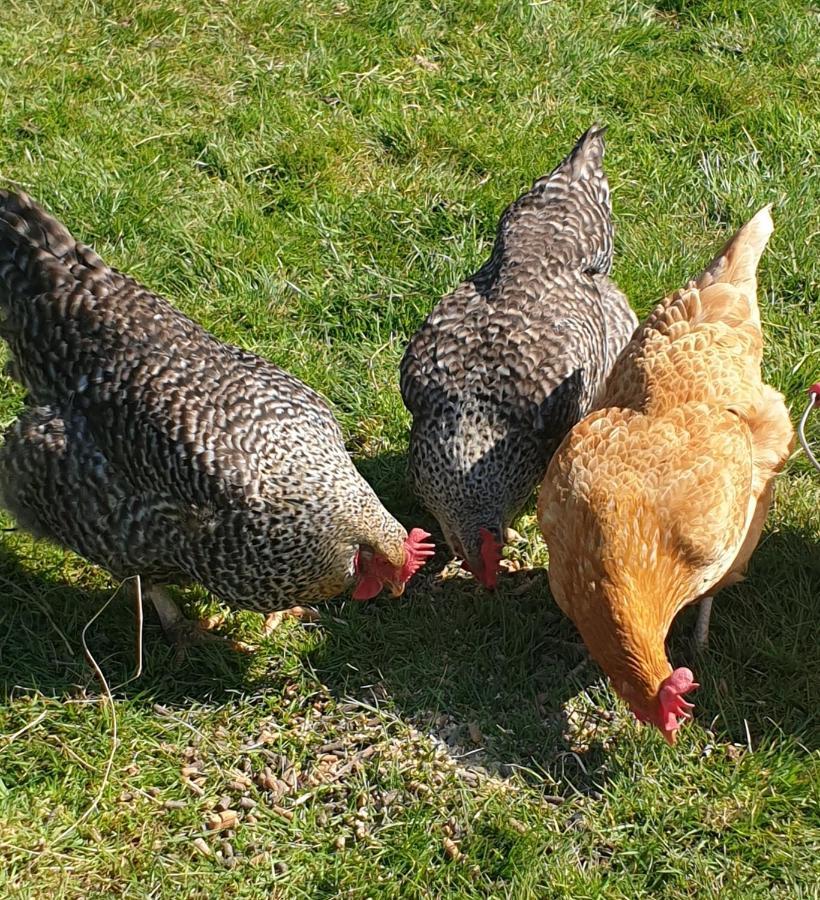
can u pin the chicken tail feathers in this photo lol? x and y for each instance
(37, 253)
(736, 265)
(578, 203)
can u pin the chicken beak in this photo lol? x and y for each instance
(396, 590)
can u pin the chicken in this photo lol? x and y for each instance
(153, 449)
(658, 499)
(505, 365)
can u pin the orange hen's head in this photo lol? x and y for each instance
(374, 571)
(669, 709)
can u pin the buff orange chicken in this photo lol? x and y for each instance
(658, 498)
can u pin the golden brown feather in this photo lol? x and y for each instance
(658, 499)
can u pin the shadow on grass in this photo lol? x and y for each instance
(491, 671)
(762, 669)
(387, 474)
(454, 657)
(452, 653)
(41, 624)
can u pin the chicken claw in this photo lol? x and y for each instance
(302, 613)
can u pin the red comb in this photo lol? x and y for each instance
(814, 393)
(417, 551)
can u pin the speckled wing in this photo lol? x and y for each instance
(527, 355)
(621, 321)
(165, 401)
(534, 331)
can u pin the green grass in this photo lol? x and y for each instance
(306, 179)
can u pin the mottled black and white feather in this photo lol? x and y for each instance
(152, 448)
(505, 365)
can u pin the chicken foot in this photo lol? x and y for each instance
(178, 629)
(181, 631)
(274, 620)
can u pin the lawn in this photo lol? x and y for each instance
(307, 179)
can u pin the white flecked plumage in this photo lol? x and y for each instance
(151, 448)
(505, 365)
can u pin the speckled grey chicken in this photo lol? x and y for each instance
(505, 365)
(151, 448)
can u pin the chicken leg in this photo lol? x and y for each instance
(177, 628)
(181, 631)
(701, 635)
